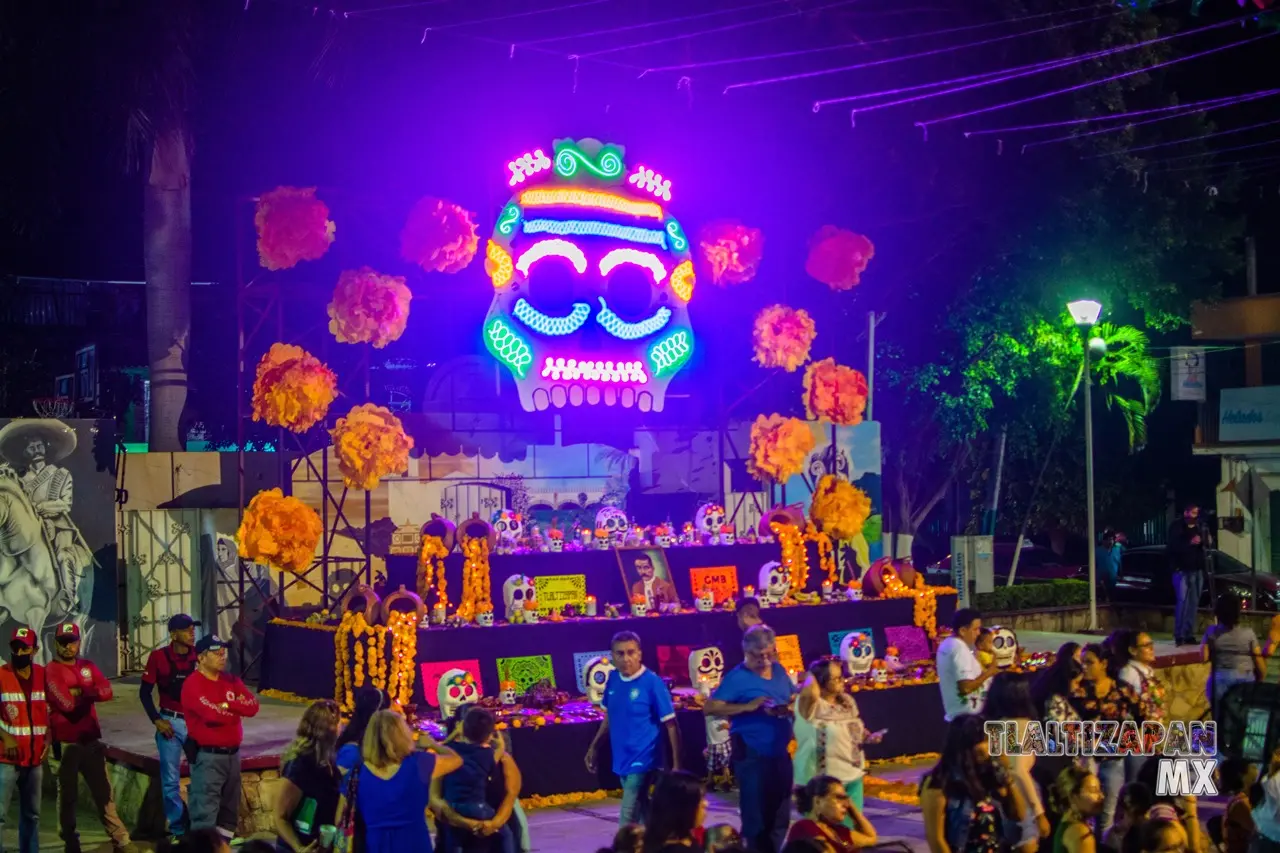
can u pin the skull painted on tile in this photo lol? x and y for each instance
(775, 581)
(514, 592)
(595, 677)
(706, 669)
(457, 688)
(591, 279)
(857, 650)
(611, 520)
(709, 519)
(1004, 646)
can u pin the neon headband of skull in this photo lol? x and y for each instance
(592, 280)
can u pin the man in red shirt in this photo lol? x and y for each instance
(74, 686)
(214, 703)
(24, 736)
(167, 670)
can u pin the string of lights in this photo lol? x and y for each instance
(788, 54)
(1202, 136)
(1216, 151)
(646, 24)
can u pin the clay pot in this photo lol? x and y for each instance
(783, 515)
(476, 527)
(361, 598)
(443, 528)
(398, 600)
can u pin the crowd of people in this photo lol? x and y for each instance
(374, 785)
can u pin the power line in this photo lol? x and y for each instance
(1191, 139)
(648, 24)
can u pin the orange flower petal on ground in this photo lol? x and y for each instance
(292, 388)
(279, 531)
(369, 308)
(782, 337)
(837, 257)
(293, 225)
(834, 392)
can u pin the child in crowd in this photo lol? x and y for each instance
(986, 656)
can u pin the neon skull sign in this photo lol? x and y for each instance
(592, 280)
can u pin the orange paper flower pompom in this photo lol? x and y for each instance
(280, 531)
(439, 236)
(369, 444)
(782, 337)
(293, 225)
(779, 447)
(834, 392)
(293, 389)
(732, 251)
(839, 508)
(837, 257)
(369, 308)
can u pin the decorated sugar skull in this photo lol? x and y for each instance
(639, 606)
(457, 687)
(706, 669)
(854, 593)
(595, 677)
(775, 581)
(708, 520)
(662, 536)
(727, 534)
(1004, 646)
(706, 601)
(515, 591)
(879, 672)
(857, 650)
(612, 521)
(508, 525)
(892, 660)
(507, 693)
(592, 280)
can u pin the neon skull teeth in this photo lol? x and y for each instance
(578, 213)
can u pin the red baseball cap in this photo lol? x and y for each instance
(67, 631)
(24, 637)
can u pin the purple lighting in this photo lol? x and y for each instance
(628, 372)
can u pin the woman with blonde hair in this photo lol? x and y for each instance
(308, 797)
(392, 786)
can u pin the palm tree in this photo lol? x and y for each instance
(1127, 364)
(147, 45)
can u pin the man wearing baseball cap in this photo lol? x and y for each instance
(24, 736)
(75, 686)
(166, 672)
(214, 703)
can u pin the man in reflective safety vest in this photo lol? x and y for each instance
(24, 733)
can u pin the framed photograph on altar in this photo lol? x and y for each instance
(645, 573)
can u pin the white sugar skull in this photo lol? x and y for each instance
(612, 520)
(595, 677)
(857, 650)
(508, 525)
(639, 608)
(727, 534)
(891, 659)
(706, 601)
(591, 281)
(507, 695)
(708, 520)
(706, 669)
(662, 536)
(457, 688)
(880, 675)
(1004, 646)
(514, 592)
(854, 593)
(775, 580)
(484, 618)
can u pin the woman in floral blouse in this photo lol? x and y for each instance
(1102, 697)
(969, 802)
(1135, 656)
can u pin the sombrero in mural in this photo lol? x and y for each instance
(60, 439)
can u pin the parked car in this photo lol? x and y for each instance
(1145, 578)
(1035, 563)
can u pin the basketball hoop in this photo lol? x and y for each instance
(53, 407)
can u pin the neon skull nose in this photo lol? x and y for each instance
(591, 281)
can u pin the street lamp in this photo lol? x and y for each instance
(1085, 312)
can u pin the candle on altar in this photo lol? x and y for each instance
(748, 591)
(826, 588)
(438, 614)
(591, 605)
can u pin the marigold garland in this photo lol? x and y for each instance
(350, 656)
(293, 225)
(834, 392)
(837, 257)
(839, 508)
(924, 611)
(403, 628)
(369, 444)
(782, 337)
(431, 570)
(538, 801)
(369, 308)
(779, 447)
(795, 557)
(475, 576)
(279, 531)
(826, 550)
(732, 251)
(439, 236)
(292, 388)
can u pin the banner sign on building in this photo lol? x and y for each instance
(1187, 381)
(1249, 414)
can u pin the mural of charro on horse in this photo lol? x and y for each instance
(46, 566)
